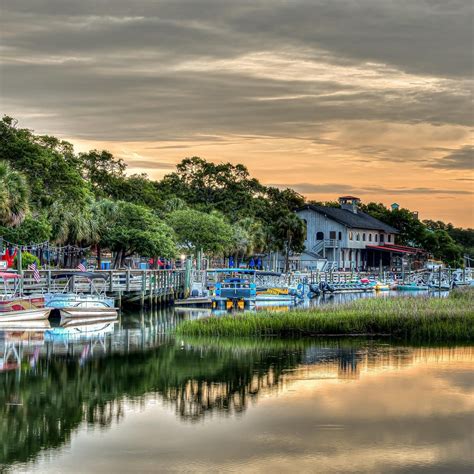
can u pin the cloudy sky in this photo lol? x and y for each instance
(367, 97)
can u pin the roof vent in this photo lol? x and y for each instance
(349, 203)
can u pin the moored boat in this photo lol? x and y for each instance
(96, 298)
(16, 308)
(412, 287)
(237, 289)
(10, 317)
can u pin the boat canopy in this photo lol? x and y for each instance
(88, 275)
(9, 275)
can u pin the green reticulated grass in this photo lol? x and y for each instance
(413, 318)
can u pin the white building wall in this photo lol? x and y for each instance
(348, 254)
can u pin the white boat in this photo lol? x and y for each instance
(24, 315)
(96, 298)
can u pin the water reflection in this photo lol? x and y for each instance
(313, 400)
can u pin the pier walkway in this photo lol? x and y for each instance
(127, 286)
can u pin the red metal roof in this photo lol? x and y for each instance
(405, 247)
(388, 249)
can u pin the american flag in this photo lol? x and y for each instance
(81, 267)
(36, 273)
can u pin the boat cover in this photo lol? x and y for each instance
(88, 275)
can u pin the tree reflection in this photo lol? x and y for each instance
(41, 407)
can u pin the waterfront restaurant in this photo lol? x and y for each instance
(346, 238)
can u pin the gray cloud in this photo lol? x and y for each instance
(462, 159)
(178, 70)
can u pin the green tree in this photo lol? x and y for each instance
(288, 235)
(225, 187)
(73, 224)
(196, 231)
(31, 230)
(137, 230)
(103, 171)
(13, 196)
(50, 166)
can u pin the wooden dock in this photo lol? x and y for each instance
(142, 287)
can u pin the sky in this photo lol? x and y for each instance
(371, 98)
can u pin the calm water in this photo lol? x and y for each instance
(135, 400)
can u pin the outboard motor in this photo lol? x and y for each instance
(325, 288)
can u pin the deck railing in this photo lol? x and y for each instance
(149, 282)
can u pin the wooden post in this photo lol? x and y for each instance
(20, 269)
(150, 287)
(142, 299)
(187, 284)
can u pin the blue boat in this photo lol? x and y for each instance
(237, 289)
(412, 287)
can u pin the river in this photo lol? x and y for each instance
(133, 399)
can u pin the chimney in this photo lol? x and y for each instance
(349, 203)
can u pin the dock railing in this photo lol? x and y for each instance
(127, 284)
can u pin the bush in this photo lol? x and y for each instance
(26, 260)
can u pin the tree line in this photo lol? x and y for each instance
(48, 192)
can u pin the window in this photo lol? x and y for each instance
(381, 238)
(332, 234)
(376, 237)
(363, 236)
(351, 236)
(357, 236)
(305, 222)
(389, 237)
(370, 237)
(320, 236)
(340, 235)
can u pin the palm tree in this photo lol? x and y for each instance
(106, 213)
(14, 196)
(73, 224)
(290, 234)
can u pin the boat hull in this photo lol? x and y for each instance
(412, 287)
(24, 316)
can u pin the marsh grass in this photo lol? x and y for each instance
(425, 319)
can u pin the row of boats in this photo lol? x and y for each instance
(20, 310)
(239, 288)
